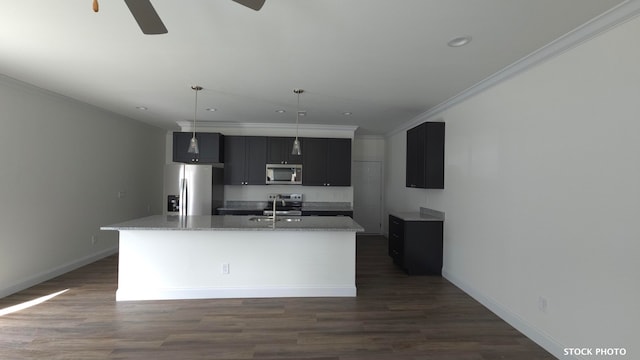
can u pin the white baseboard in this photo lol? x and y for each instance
(536, 335)
(57, 271)
(226, 293)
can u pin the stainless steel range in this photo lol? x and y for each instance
(286, 204)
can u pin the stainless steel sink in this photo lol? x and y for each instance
(261, 218)
(270, 219)
(288, 219)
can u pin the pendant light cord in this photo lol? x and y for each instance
(195, 110)
(298, 115)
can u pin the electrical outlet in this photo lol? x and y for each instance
(93, 239)
(225, 268)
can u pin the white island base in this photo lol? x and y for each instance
(187, 264)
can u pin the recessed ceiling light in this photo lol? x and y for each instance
(280, 111)
(141, 108)
(211, 109)
(347, 113)
(459, 41)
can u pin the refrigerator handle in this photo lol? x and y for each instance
(183, 197)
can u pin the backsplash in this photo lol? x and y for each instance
(310, 193)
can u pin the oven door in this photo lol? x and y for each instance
(285, 174)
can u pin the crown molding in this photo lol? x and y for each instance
(282, 128)
(370, 137)
(598, 25)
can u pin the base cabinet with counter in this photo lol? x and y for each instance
(415, 244)
(208, 257)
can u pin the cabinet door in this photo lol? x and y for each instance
(314, 164)
(279, 151)
(211, 146)
(255, 160)
(180, 146)
(234, 160)
(338, 162)
(423, 247)
(425, 156)
(415, 157)
(434, 155)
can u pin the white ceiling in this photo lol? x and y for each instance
(386, 61)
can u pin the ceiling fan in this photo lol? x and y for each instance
(150, 22)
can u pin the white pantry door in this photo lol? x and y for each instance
(367, 195)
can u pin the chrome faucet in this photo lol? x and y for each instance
(275, 200)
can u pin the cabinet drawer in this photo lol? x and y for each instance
(396, 226)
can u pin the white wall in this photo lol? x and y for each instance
(542, 186)
(368, 148)
(62, 165)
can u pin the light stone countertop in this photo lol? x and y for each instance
(424, 214)
(237, 223)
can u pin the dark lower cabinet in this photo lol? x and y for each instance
(416, 246)
(211, 147)
(245, 160)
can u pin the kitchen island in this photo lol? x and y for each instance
(195, 257)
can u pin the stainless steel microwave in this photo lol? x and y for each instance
(284, 174)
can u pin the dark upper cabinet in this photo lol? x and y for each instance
(326, 162)
(279, 151)
(211, 146)
(245, 160)
(425, 156)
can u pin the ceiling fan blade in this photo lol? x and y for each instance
(146, 16)
(252, 4)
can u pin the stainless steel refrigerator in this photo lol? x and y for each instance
(193, 189)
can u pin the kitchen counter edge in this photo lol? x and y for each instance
(235, 223)
(425, 214)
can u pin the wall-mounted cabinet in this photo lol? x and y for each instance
(425, 156)
(245, 160)
(326, 162)
(279, 151)
(211, 146)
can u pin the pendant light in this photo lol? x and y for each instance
(193, 144)
(296, 143)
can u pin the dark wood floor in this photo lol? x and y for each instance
(393, 317)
